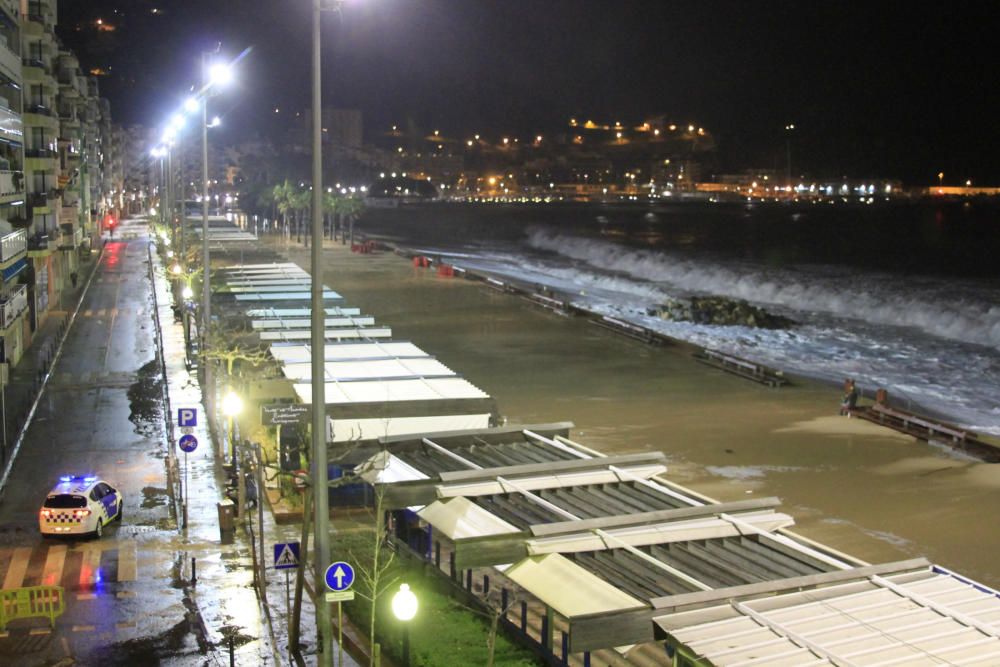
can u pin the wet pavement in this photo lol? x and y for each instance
(130, 596)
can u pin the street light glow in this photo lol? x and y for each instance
(220, 73)
(404, 603)
(232, 405)
(187, 292)
(216, 122)
(191, 104)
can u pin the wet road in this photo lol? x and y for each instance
(128, 595)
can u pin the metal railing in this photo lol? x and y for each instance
(15, 304)
(13, 244)
(11, 182)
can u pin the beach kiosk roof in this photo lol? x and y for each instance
(370, 369)
(369, 409)
(348, 351)
(545, 510)
(904, 613)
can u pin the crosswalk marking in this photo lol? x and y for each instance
(18, 566)
(88, 313)
(90, 567)
(77, 568)
(127, 562)
(53, 565)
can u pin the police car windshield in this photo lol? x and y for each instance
(65, 501)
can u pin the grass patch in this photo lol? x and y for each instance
(443, 634)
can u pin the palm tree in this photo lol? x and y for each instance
(283, 193)
(350, 209)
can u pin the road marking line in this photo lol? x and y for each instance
(18, 566)
(83, 628)
(127, 562)
(90, 567)
(114, 312)
(125, 594)
(88, 313)
(86, 596)
(40, 631)
(53, 565)
(4, 634)
(126, 625)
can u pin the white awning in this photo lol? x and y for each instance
(658, 533)
(330, 323)
(371, 368)
(329, 334)
(283, 296)
(459, 518)
(926, 617)
(352, 430)
(390, 391)
(556, 480)
(279, 313)
(301, 354)
(568, 588)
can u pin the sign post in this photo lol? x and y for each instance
(188, 443)
(286, 557)
(339, 579)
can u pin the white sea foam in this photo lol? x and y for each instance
(971, 315)
(950, 365)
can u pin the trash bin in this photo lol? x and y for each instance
(227, 516)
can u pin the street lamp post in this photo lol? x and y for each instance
(404, 608)
(206, 288)
(788, 153)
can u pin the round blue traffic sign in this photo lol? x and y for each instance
(339, 576)
(188, 443)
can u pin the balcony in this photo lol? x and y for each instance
(15, 303)
(70, 237)
(42, 245)
(11, 183)
(13, 246)
(10, 61)
(11, 127)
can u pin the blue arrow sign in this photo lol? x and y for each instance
(286, 555)
(188, 443)
(339, 576)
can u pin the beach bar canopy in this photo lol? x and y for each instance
(343, 333)
(371, 369)
(905, 613)
(348, 351)
(544, 510)
(369, 409)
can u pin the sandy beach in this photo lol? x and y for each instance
(863, 489)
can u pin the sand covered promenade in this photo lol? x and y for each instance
(863, 489)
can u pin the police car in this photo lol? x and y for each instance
(78, 505)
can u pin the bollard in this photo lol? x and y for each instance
(194, 571)
(232, 652)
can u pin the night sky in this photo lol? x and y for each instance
(875, 89)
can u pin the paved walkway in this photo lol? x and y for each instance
(225, 594)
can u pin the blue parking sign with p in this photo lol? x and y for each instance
(187, 417)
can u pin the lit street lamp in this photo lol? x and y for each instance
(404, 608)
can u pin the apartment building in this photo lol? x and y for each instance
(14, 328)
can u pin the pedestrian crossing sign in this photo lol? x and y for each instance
(286, 555)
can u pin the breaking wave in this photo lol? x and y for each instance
(966, 312)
